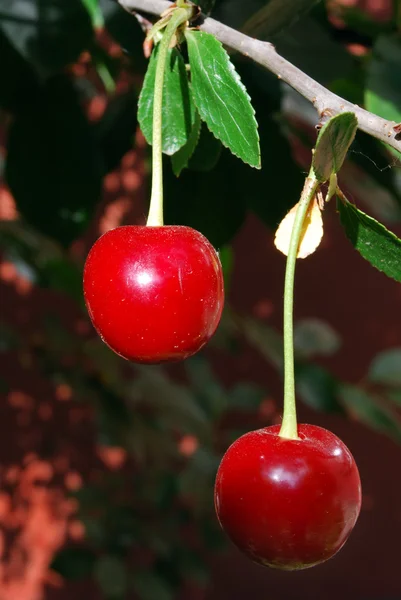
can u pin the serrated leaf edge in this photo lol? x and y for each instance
(362, 214)
(242, 86)
(141, 101)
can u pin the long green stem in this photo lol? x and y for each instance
(178, 17)
(289, 428)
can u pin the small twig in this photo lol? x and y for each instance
(144, 24)
(265, 54)
(340, 194)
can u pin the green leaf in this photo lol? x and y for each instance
(111, 576)
(178, 115)
(179, 160)
(207, 152)
(275, 16)
(317, 388)
(383, 91)
(49, 34)
(221, 98)
(53, 166)
(372, 240)
(367, 409)
(315, 337)
(332, 145)
(386, 367)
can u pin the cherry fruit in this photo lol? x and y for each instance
(288, 504)
(154, 294)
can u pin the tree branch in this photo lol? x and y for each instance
(326, 103)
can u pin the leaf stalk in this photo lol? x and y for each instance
(178, 17)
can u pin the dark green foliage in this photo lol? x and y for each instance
(53, 167)
(178, 116)
(20, 83)
(115, 131)
(372, 240)
(218, 205)
(318, 388)
(332, 145)
(159, 507)
(126, 31)
(221, 98)
(49, 34)
(74, 563)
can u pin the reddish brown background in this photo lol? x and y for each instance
(336, 285)
(47, 442)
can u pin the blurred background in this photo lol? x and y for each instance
(107, 468)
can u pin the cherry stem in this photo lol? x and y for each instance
(289, 426)
(178, 17)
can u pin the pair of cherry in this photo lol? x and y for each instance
(156, 294)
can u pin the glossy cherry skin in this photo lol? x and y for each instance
(288, 504)
(154, 294)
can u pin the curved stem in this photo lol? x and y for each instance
(289, 428)
(178, 17)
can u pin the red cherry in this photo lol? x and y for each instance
(154, 294)
(288, 504)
